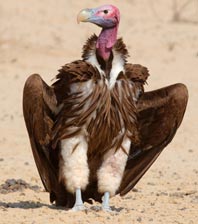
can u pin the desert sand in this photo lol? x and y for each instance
(41, 36)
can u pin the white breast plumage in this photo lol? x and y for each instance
(117, 67)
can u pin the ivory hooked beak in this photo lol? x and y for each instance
(84, 15)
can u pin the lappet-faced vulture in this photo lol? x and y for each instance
(95, 132)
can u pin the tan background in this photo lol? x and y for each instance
(40, 36)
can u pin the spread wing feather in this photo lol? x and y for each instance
(39, 101)
(39, 122)
(160, 113)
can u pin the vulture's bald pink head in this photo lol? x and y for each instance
(108, 18)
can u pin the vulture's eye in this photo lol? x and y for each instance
(105, 11)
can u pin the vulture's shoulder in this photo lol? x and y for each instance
(77, 71)
(136, 72)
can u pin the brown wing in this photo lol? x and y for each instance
(39, 101)
(39, 123)
(160, 114)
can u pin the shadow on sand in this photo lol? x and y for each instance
(28, 205)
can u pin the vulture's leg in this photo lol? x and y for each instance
(111, 172)
(105, 202)
(74, 171)
(78, 206)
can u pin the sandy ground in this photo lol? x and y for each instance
(40, 36)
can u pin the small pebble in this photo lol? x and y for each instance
(151, 184)
(13, 60)
(143, 211)
(135, 190)
(139, 219)
(182, 209)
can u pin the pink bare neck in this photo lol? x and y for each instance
(106, 41)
